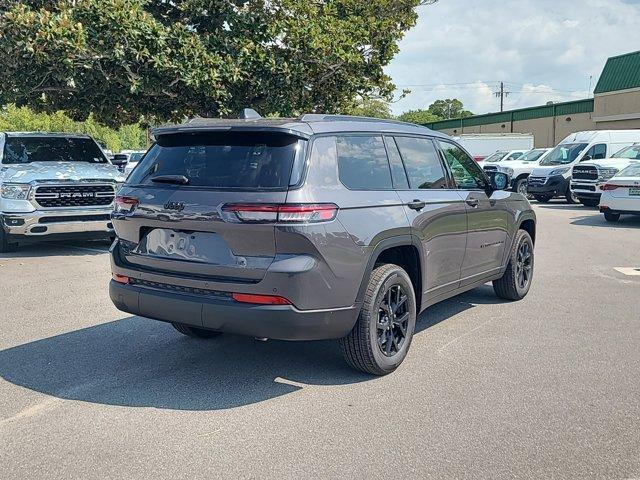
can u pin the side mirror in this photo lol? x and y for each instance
(585, 158)
(498, 180)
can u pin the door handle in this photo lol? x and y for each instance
(416, 205)
(472, 202)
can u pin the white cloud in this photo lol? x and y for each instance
(545, 50)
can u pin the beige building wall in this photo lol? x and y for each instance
(544, 133)
(624, 102)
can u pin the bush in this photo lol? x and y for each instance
(23, 119)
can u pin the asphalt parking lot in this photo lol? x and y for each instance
(546, 387)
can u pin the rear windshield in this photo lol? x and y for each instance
(228, 160)
(51, 149)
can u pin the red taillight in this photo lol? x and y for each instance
(120, 278)
(126, 204)
(282, 213)
(260, 299)
(611, 186)
(478, 158)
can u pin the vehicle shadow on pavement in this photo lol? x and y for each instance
(143, 363)
(57, 249)
(626, 221)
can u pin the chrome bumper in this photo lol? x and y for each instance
(59, 221)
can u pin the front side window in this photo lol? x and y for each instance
(422, 162)
(596, 152)
(30, 149)
(466, 172)
(363, 163)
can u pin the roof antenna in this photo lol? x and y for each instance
(249, 114)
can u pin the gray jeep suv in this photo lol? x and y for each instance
(313, 228)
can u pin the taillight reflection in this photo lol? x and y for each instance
(611, 186)
(125, 204)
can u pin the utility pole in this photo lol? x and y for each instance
(501, 95)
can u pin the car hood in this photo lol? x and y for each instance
(544, 171)
(517, 164)
(73, 171)
(618, 163)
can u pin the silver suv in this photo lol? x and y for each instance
(313, 228)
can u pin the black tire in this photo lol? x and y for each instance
(5, 246)
(520, 186)
(377, 324)
(589, 202)
(611, 217)
(542, 198)
(516, 281)
(195, 332)
(570, 197)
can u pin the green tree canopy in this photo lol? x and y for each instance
(370, 107)
(449, 108)
(419, 116)
(121, 60)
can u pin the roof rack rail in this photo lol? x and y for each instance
(321, 117)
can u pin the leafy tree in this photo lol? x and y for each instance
(14, 118)
(370, 107)
(121, 60)
(419, 116)
(449, 108)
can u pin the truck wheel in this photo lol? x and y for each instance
(611, 217)
(195, 332)
(570, 197)
(589, 202)
(5, 246)
(542, 198)
(382, 335)
(516, 281)
(521, 186)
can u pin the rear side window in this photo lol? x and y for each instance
(222, 160)
(362, 163)
(422, 162)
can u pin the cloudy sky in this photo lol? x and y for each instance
(542, 49)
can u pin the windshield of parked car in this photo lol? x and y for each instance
(564, 154)
(532, 155)
(496, 157)
(51, 149)
(229, 160)
(632, 170)
(632, 152)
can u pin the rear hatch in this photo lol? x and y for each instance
(178, 212)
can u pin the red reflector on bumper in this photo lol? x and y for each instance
(260, 299)
(120, 278)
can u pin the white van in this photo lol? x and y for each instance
(553, 177)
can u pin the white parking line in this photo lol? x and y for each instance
(631, 271)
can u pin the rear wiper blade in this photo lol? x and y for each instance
(179, 179)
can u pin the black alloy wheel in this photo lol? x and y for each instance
(393, 320)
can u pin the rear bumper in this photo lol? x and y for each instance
(553, 186)
(282, 322)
